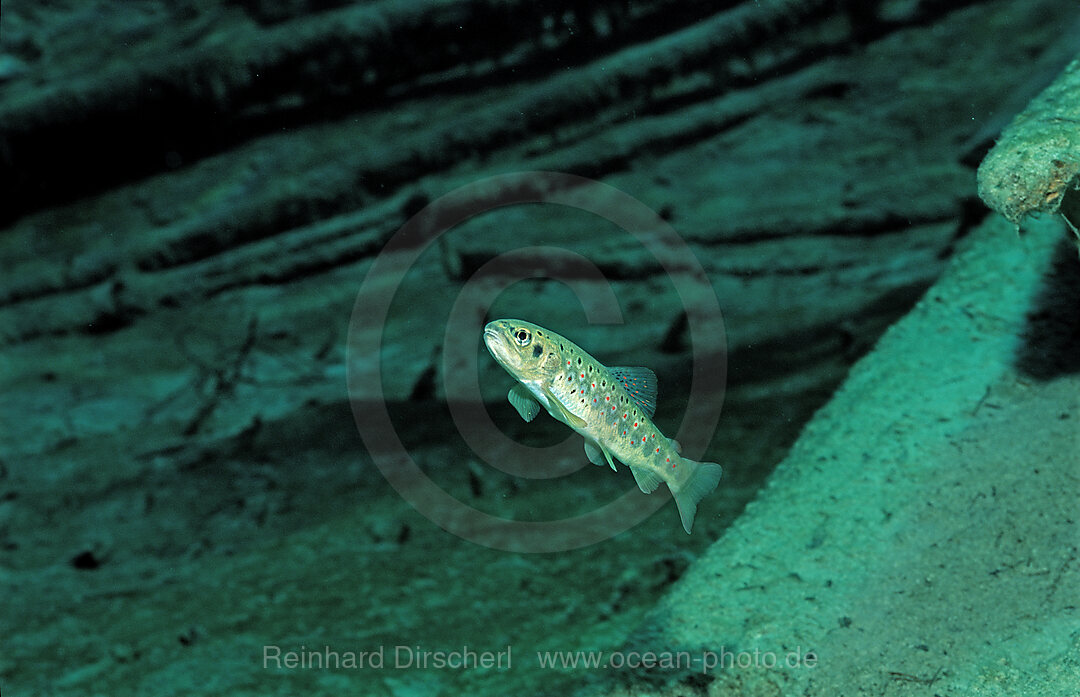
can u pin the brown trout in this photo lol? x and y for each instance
(611, 407)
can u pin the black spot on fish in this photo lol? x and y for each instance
(537, 350)
(579, 361)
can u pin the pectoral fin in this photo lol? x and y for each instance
(597, 454)
(524, 402)
(560, 412)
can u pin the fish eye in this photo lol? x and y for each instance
(522, 336)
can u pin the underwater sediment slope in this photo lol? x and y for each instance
(922, 533)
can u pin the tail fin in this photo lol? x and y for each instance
(703, 478)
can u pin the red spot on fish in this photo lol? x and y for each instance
(635, 426)
(608, 399)
(568, 363)
(658, 450)
(643, 439)
(583, 375)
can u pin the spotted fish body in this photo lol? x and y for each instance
(611, 408)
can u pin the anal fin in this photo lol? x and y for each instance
(647, 481)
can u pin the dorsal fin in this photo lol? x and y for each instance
(640, 383)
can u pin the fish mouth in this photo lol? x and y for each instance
(494, 341)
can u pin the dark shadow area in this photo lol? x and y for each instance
(156, 117)
(1052, 337)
